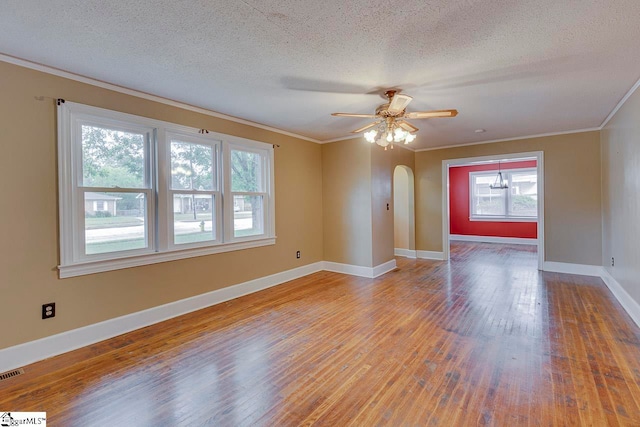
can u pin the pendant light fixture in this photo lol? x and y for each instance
(499, 183)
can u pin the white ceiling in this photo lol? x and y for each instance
(512, 67)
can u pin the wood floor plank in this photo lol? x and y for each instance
(485, 339)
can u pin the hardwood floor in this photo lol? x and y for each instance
(483, 340)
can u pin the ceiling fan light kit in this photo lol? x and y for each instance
(388, 132)
(391, 126)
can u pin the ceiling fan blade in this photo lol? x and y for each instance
(370, 116)
(370, 125)
(407, 126)
(398, 103)
(429, 114)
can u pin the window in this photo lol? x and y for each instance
(137, 191)
(193, 192)
(247, 187)
(518, 202)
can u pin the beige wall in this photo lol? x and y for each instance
(346, 196)
(28, 218)
(572, 193)
(357, 180)
(382, 165)
(620, 140)
(330, 204)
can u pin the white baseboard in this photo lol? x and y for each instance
(630, 305)
(493, 239)
(30, 352)
(580, 269)
(358, 270)
(407, 253)
(33, 351)
(386, 267)
(430, 255)
(354, 270)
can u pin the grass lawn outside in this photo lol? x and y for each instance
(115, 246)
(91, 223)
(245, 232)
(139, 243)
(94, 223)
(203, 216)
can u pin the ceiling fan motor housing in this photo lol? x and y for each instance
(383, 110)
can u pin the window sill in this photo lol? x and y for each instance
(504, 219)
(81, 269)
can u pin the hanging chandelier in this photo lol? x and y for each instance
(499, 183)
(387, 133)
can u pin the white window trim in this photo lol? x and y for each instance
(89, 117)
(168, 244)
(507, 197)
(268, 179)
(488, 218)
(70, 165)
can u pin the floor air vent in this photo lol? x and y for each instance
(11, 374)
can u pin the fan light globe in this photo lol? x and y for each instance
(409, 138)
(399, 135)
(371, 136)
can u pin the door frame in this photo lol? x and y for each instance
(538, 155)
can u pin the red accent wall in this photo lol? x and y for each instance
(459, 206)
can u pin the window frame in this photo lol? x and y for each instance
(159, 214)
(506, 173)
(216, 192)
(267, 178)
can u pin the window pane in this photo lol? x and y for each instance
(246, 171)
(114, 222)
(489, 205)
(112, 158)
(191, 166)
(248, 215)
(524, 194)
(487, 201)
(193, 218)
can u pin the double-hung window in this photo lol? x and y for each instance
(518, 202)
(194, 194)
(249, 190)
(136, 191)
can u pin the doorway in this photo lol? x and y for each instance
(403, 212)
(447, 165)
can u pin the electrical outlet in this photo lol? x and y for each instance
(298, 254)
(49, 310)
(613, 262)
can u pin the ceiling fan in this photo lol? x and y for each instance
(391, 124)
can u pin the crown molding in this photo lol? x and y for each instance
(540, 135)
(342, 138)
(144, 95)
(127, 91)
(620, 104)
(345, 138)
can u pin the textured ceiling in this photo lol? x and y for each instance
(512, 67)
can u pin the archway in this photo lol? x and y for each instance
(404, 212)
